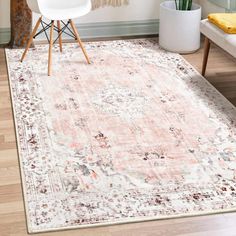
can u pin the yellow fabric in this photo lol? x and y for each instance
(225, 21)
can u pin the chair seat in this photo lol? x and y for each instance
(219, 37)
(65, 13)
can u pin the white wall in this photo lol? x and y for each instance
(137, 10)
(4, 13)
(208, 7)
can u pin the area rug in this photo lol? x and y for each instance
(137, 135)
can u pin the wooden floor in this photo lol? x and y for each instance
(221, 73)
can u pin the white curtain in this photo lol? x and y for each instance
(114, 3)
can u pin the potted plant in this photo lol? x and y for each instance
(180, 26)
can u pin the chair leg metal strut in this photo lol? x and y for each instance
(60, 30)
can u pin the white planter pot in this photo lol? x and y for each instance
(179, 30)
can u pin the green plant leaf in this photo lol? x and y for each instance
(190, 5)
(183, 5)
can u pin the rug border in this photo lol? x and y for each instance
(127, 221)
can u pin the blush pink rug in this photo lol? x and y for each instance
(137, 135)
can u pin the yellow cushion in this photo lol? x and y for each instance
(225, 21)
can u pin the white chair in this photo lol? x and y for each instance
(58, 10)
(213, 34)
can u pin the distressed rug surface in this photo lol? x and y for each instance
(137, 135)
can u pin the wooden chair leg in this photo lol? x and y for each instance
(207, 45)
(79, 40)
(50, 49)
(60, 37)
(31, 39)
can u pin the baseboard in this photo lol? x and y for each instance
(104, 29)
(222, 3)
(5, 34)
(116, 29)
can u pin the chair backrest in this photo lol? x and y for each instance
(44, 7)
(60, 4)
(33, 5)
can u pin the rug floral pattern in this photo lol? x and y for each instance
(136, 135)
